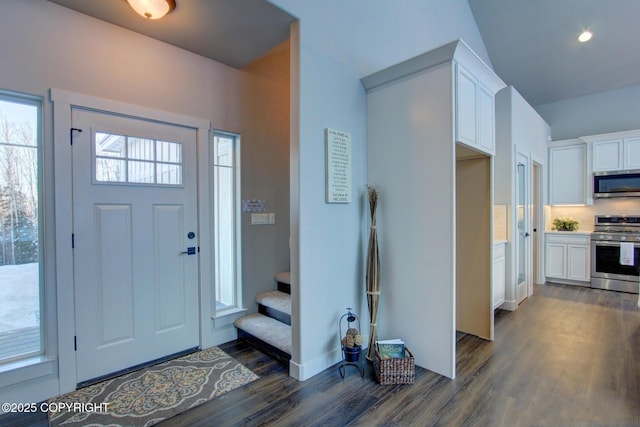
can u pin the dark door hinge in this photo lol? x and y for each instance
(71, 134)
(73, 241)
(75, 343)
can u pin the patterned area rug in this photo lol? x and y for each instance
(153, 394)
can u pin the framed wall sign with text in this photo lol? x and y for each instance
(338, 166)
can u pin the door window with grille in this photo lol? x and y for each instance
(134, 160)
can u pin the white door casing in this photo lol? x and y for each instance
(136, 293)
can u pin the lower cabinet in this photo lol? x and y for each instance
(567, 257)
(499, 277)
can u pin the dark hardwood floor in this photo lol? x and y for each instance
(569, 356)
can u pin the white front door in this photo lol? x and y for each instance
(135, 243)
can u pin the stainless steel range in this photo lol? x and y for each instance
(613, 235)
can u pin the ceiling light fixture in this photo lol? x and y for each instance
(585, 36)
(152, 9)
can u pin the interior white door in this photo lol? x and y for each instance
(135, 243)
(523, 247)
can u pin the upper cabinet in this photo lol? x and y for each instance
(573, 162)
(631, 159)
(467, 100)
(471, 88)
(486, 119)
(568, 171)
(475, 118)
(615, 152)
(607, 155)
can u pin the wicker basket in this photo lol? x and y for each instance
(396, 370)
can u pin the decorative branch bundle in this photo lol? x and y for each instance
(373, 272)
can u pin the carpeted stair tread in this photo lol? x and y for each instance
(284, 277)
(276, 300)
(269, 330)
(283, 280)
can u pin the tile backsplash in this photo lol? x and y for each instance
(584, 214)
(499, 222)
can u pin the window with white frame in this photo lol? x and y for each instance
(226, 202)
(20, 227)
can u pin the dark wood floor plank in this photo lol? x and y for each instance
(567, 356)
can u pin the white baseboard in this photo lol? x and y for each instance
(509, 306)
(30, 392)
(295, 370)
(306, 370)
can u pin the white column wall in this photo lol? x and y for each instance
(411, 159)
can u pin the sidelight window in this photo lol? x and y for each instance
(20, 227)
(226, 185)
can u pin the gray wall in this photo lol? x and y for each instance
(604, 112)
(264, 117)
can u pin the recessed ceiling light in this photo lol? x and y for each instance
(585, 36)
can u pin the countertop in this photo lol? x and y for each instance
(579, 232)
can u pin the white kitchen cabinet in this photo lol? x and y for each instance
(607, 155)
(499, 274)
(486, 119)
(631, 159)
(556, 260)
(578, 262)
(568, 174)
(615, 151)
(567, 256)
(467, 85)
(475, 118)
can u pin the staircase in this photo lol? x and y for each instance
(269, 330)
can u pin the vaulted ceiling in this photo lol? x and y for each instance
(532, 44)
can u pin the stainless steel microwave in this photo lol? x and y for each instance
(616, 184)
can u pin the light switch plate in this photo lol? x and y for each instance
(259, 219)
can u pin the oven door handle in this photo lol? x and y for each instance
(610, 243)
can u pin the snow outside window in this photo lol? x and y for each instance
(20, 230)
